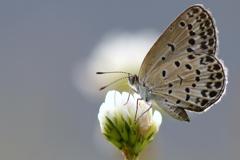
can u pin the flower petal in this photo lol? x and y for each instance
(157, 118)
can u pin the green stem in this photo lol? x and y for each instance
(130, 156)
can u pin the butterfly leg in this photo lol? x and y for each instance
(135, 117)
(130, 90)
(127, 99)
(144, 113)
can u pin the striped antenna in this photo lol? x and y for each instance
(113, 72)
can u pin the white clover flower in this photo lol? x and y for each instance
(118, 124)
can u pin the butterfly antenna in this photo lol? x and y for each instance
(113, 72)
(103, 87)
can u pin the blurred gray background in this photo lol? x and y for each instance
(44, 117)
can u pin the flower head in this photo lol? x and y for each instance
(119, 126)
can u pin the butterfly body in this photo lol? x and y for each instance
(143, 90)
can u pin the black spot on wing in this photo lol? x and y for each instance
(171, 46)
(182, 24)
(190, 26)
(169, 91)
(218, 84)
(219, 75)
(216, 67)
(191, 33)
(204, 102)
(212, 93)
(203, 15)
(198, 72)
(197, 79)
(191, 41)
(188, 66)
(204, 93)
(190, 56)
(209, 85)
(209, 59)
(190, 50)
(195, 10)
(211, 42)
(163, 73)
(178, 101)
(177, 63)
(210, 31)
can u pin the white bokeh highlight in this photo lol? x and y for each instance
(122, 51)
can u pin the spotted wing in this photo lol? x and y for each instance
(191, 81)
(192, 32)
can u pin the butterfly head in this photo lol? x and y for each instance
(133, 82)
(133, 79)
(139, 88)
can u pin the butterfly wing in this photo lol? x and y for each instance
(181, 68)
(193, 32)
(195, 84)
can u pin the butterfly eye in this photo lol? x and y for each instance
(131, 79)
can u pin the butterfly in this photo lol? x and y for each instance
(181, 71)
